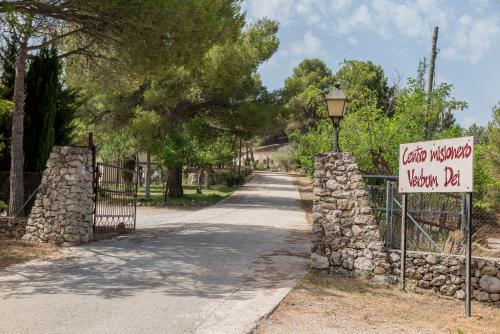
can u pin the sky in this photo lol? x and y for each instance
(394, 34)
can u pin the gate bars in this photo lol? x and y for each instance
(115, 199)
(115, 195)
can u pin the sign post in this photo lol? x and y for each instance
(404, 212)
(468, 255)
(438, 166)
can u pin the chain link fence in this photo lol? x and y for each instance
(435, 222)
(31, 182)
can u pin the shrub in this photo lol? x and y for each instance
(286, 158)
(233, 179)
(3, 206)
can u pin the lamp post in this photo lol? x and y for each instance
(336, 103)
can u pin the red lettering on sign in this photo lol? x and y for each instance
(443, 153)
(421, 181)
(452, 178)
(416, 156)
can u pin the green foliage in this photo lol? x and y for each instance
(8, 53)
(479, 132)
(209, 196)
(68, 103)
(40, 109)
(6, 110)
(144, 40)
(379, 118)
(492, 162)
(286, 158)
(484, 180)
(117, 146)
(145, 129)
(234, 179)
(364, 85)
(304, 93)
(318, 139)
(3, 206)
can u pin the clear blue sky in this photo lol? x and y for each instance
(394, 34)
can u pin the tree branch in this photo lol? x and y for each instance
(76, 51)
(40, 46)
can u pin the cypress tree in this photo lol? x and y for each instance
(8, 54)
(42, 83)
(68, 102)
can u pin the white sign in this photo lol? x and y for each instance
(436, 166)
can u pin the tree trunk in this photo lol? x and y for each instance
(147, 187)
(198, 185)
(239, 158)
(208, 183)
(381, 164)
(139, 170)
(174, 182)
(251, 155)
(16, 198)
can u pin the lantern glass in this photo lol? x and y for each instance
(335, 108)
(336, 103)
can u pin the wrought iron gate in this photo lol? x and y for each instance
(115, 198)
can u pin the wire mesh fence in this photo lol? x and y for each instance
(31, 182)
(435, 221)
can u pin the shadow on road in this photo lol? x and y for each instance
(205, 260)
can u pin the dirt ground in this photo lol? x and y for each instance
(304, 184)
(16, 251)
(332, 304)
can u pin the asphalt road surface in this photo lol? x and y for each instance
(216, 270)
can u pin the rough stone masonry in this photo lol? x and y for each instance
(347, 238)
(12, 227)
(62, 212)
(346, 234)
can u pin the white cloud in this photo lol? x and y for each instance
(479, 6)
(467, 38)
(472, 38)
(353, 41)
(280, 10)
(310, 45)
(339, 5)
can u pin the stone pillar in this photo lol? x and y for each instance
(346, 234)
(62, 213)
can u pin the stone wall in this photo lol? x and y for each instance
(12, 227)
(445, 274)
(215, 178)
(346, 238)
(62, 212)
(346, 234)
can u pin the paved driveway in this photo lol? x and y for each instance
(216, 270)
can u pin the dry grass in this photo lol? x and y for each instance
(332, 304)
(305, 187)
(17, 251)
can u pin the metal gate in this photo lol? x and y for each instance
(115, 198)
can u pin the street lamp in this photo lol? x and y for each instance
(336, 103)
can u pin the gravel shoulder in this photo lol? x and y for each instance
(328, 304)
